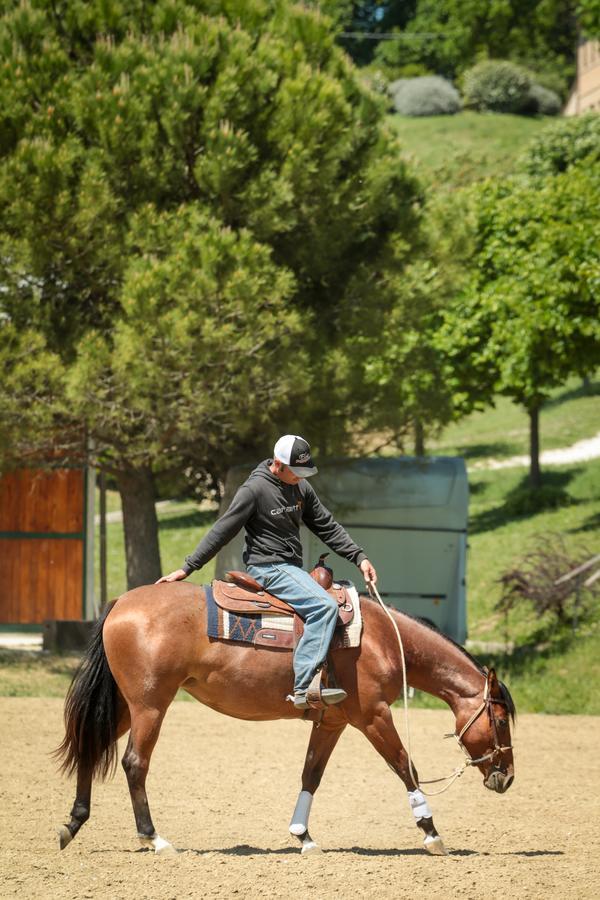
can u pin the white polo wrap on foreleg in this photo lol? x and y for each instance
(299, 823)
(419, 805)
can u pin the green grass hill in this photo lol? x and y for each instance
(453, 151)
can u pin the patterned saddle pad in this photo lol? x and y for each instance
(274, 632)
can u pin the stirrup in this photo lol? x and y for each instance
(329, 697)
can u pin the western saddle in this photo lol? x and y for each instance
(241, 595)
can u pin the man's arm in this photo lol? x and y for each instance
(239, 511)
(321, 522)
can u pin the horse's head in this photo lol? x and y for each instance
(485, 735)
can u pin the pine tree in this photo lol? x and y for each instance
(196, 197)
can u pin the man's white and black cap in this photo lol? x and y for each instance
(294, 452)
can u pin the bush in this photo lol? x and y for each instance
(552, 80)
(562, 145)
(543, 101)
(427, 96)
(497, 86)
(534, 581)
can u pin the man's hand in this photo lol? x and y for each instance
(178, 575)
(368, 571)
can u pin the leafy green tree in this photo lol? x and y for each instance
(449, 36)
(143, 149)
(408, 368)
(588, 16)
(205, 316)
(531, 316)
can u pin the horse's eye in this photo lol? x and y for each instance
(502, 723)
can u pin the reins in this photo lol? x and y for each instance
(485, 703)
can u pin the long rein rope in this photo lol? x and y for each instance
(468, 761)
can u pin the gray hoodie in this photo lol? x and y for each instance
(271, 512)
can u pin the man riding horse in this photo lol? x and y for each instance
(271, 505)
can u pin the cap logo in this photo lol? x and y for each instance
(303, 457)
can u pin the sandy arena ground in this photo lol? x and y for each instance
(223, 791)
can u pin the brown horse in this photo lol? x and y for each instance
(152, 641)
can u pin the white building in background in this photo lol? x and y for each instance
(585, 96)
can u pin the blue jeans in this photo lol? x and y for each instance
(313, 604)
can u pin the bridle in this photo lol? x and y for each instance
(486, 703)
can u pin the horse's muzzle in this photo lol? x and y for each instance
(498, 781)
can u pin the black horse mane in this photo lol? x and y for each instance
(504, 691)
(510, 703)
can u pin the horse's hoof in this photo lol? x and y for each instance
(310, 847)
(158, 844)
(64, 837)
(435, 845)
(165, 849)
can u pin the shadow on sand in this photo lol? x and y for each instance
(248, 850)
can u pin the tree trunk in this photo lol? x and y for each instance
(136, 487)
(419, 438)
(535, 475)
(103, 566)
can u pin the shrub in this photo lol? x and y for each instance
(551, 79)
(498, 86)
(427, 96)
(562, 145)
(544, 101)
(534, 581)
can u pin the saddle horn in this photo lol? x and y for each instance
(322, 574)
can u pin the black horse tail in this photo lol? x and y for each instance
(90, 742)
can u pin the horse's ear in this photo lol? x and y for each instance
(492, 680)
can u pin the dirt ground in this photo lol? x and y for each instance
(223, 791)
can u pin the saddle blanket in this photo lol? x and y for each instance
(232, 627)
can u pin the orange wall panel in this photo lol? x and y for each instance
(42, 500)
(41, 577)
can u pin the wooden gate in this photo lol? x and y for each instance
(43, 545)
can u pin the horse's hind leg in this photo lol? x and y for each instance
(145, 728)
(323, 739)
(381, 732)
(80, 812)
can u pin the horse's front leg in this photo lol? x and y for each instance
(323, 739)
(381, 732)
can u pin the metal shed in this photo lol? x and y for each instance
(409, 514)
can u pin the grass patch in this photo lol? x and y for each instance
(571, 414)
(34, 674)
(453, 151)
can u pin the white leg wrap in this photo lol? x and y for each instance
(419, 805)
(299, 823)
